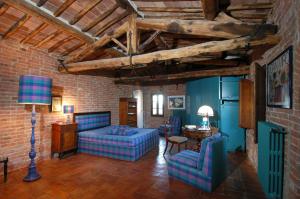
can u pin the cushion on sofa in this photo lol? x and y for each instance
(186, 157)
(122, 131)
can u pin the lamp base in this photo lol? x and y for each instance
(68, 119)
(32, 175)
(32, 172)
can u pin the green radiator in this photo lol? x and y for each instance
(271, 158)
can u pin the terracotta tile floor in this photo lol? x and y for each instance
(84, 176)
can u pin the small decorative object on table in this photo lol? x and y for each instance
(68, 109)
(64, 138)
(34, 90)
(206, 112)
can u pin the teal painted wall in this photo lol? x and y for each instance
(206, 91)
(202, 92)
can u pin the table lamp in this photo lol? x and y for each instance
(206, 112)
(34, 90)
(68, 109)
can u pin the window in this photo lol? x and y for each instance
(157, 105)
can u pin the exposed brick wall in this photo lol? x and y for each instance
(286, 14)
(166, 90)
(87, 93)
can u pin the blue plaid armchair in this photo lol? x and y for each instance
(173, 128)
(205, 170)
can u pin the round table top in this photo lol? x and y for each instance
(199, 133)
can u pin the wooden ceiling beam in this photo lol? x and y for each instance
(170, 9)
(208, 47)
(111, 23)
(73, 48)
(63, 7)
(60, 43)
(29, 7)
(3, 9)
(105, 39)
(252, 6)
(243, 15)
(34, 32)
(169, 15)
(163, 1)
(223, 17)
(206, 28)
(41, 3)
(100, 18)
(48, 38)
(14, 28)
(244, 70)
(120, 44)
(210, 8)
(85, 10)
(148, 41)
(130, 7)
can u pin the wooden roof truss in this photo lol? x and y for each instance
(169, 40)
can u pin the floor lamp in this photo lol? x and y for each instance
(35, 90)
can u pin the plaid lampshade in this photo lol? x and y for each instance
(68, 108)
(34, 90)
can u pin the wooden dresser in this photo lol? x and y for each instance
(64, 138)
(128, 112)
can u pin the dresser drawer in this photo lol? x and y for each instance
(69, 140)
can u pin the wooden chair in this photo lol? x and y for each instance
(173, 139)
(4, 160)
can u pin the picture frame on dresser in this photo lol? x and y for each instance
(279, 74)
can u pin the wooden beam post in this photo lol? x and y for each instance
(203, 48)
(132, 34)
(29, 7)
(186, 75)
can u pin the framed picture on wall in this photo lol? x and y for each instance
(56, 104)
(280, 80)
(176, 102)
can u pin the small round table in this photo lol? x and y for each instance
(198, 134)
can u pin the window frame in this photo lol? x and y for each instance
(163, 106)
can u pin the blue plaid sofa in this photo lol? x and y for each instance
(174, 126)
(205, 170)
